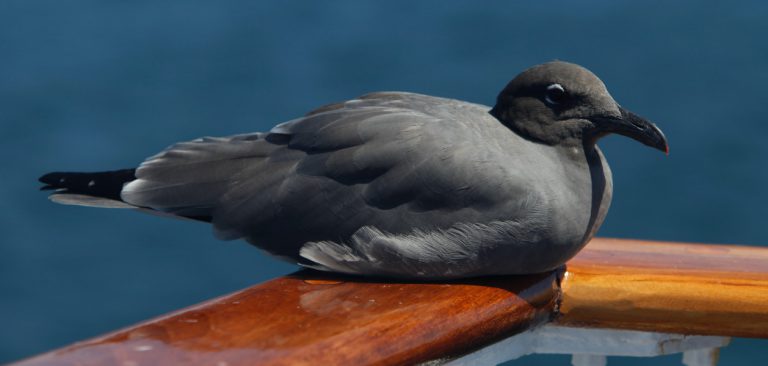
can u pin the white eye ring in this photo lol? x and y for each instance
(551, 90)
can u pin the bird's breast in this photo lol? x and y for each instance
(574, 190)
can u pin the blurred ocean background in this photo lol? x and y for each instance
(98, 85)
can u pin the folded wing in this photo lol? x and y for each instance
(386, 160)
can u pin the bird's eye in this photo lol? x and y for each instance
(555, 94)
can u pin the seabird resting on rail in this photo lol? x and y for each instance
(399, 184)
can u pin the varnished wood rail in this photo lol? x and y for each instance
(668, 287)
(318, 319)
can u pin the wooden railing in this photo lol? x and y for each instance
(320, 319)
(679, 288)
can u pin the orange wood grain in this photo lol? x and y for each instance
(668, 287)
(311, 318)
(315, 319)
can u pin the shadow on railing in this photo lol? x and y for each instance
(616, 297)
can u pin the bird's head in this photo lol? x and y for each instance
(560, 103)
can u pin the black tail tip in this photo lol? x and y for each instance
(106, 184)
(51, 181)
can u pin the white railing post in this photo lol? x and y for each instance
(585, 359)
(701, 357)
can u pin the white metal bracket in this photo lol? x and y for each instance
(591, 346)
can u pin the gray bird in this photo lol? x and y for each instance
(399, 184)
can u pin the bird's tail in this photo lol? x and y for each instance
(101, 189)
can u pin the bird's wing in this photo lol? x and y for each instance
(386, 160)
(189, 178)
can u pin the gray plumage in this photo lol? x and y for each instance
(406, 185)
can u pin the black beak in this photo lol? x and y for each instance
(635, 127)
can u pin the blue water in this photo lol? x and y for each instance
(92, 85)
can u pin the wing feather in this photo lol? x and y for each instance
(386, 160)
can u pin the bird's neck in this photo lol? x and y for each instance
(570, 136)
